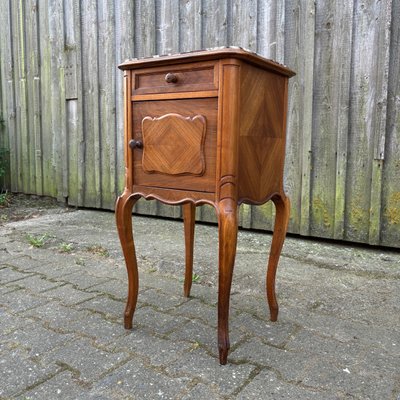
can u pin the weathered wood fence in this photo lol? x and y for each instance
(61, 99)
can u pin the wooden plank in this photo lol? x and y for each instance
(190, 25)
(368, 93)
(383, 15)
(33, 83)
(342, 58)
(332, 66)
(145, 46)
(74, 103)
(7, 89)
(299, 54)
(58, 134)
(390, 228)
(90, 83)
(46, 152)
(124, 49)
(244, 34)
(244, 24)
(107, 73)
(214, 23)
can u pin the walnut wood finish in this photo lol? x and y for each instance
(211, 130)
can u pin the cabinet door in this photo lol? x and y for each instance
(179, 143)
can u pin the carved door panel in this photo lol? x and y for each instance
(179, 143)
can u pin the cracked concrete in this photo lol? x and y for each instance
(61, 307)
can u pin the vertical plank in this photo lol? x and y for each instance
(342, 58)
(124, 49)
(168, 28)
(299, 54)
(46, 153)
(330, 108)
(58, 134)
(90, 83)
(7, 88)
(145, 46)
(190, 25)
(244, 34)
(74, 102)
(368, 95)
(215, 23)
(390, 228)
(33, 84)
(107, 72)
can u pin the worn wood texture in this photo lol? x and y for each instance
(61, 100)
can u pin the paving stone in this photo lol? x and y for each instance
(67, 295)
(21, 300)
(57, 316)
(89, 362)
(10, 275)
(201, 392)
(10, 322)
(275, 333)
(161, 301)
(291, 365)
(266, 385)
(104, 305)
(194, 308)
(327, 375)
(63, 386)
(114, 288)
(24, 262)
(18, 372)
(199, 364)
(135, 378)
(98, 328)
(159, 323)
(202, 335)
(36, 340)
(37, 284)
(82, 280)
(157, 351)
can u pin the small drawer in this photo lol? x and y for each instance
(191, 77)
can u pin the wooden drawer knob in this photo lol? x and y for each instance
(135, 144)
(171, 78)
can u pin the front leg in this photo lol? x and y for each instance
(282, 205)
(123, 214)
(189, 212)
(227, 231)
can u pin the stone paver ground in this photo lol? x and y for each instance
(61, 307)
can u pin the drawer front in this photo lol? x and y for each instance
(176, 78)
(179, 143)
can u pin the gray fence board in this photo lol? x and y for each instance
(61, 96)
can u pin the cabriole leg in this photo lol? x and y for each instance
(189, 212)
(227, 231)
(123, 214)
(282, 205)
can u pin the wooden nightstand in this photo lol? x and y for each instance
(205, 128)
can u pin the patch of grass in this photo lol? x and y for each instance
(98, 250)
(5, 199)
(195, 278)
(80, 261)
(37, 241)
(65, 247)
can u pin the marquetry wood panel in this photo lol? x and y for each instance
(262, 134)
(174, 144)
(181, 146)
